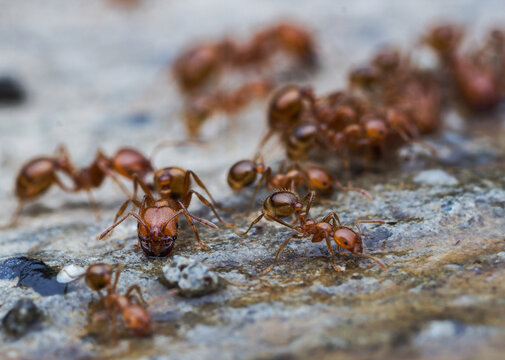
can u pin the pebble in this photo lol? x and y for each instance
(435, 177)
(191, 277)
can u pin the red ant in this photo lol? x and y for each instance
(327, 228)
(158, 219)
(201, 107)
(244, 173)
(38, 175)
(285, 203)
(132, 307)
(474, 76)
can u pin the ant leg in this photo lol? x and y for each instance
(136, 288)
(15, 216)
(356, 223)
(265, 176)
(264, 141)
(268, 269)
(94, 205)
(406, 138)
(333, 215)
(328, 243)
(190, 218)
(339, 185)
(114, 178)
(124, 206)
(251, 225)
(206, 202)
(136, 182)
(280, 221)
(136, 216)
(200, 183)
(118, 272)
(61, 185)
(310, 196)
(170, 143)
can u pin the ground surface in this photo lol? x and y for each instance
(96, 78)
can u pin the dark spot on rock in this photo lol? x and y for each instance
(23, 316)
(139, 119)
(377, 235)
(11, 91)
(32, 273)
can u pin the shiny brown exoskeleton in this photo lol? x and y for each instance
(327, 229)
(158, 224)
(287, 108)
(174, 185)
(244, 173)
(131, 306)
(280, 204)
(38, 175)
(35, 178)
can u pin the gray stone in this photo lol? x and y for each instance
(191, 277)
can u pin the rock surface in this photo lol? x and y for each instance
(97, 78)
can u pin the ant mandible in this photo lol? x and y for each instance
(327, 228)
(132, 307)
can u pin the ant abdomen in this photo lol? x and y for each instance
(282, 204)
(242, 174)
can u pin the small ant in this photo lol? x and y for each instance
(132, 307)
(474, 77)
(280, 204)
(287, 108)
(327, 228)
(158, 221)
(244, 173)
(38, 175)
(173, 184)
(201, 107)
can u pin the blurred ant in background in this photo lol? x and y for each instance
(131, 306)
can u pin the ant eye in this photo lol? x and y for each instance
(346, 243)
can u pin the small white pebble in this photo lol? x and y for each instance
(435, 177)
(69, 273)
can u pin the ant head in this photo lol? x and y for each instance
(157, 246)
(375, 128)
(319, 178)
(243, 173)
(282, 204)
(364, 77)
(137, 319)
(445, 38)
(348, 240)
(98, 276)
(387, 60)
